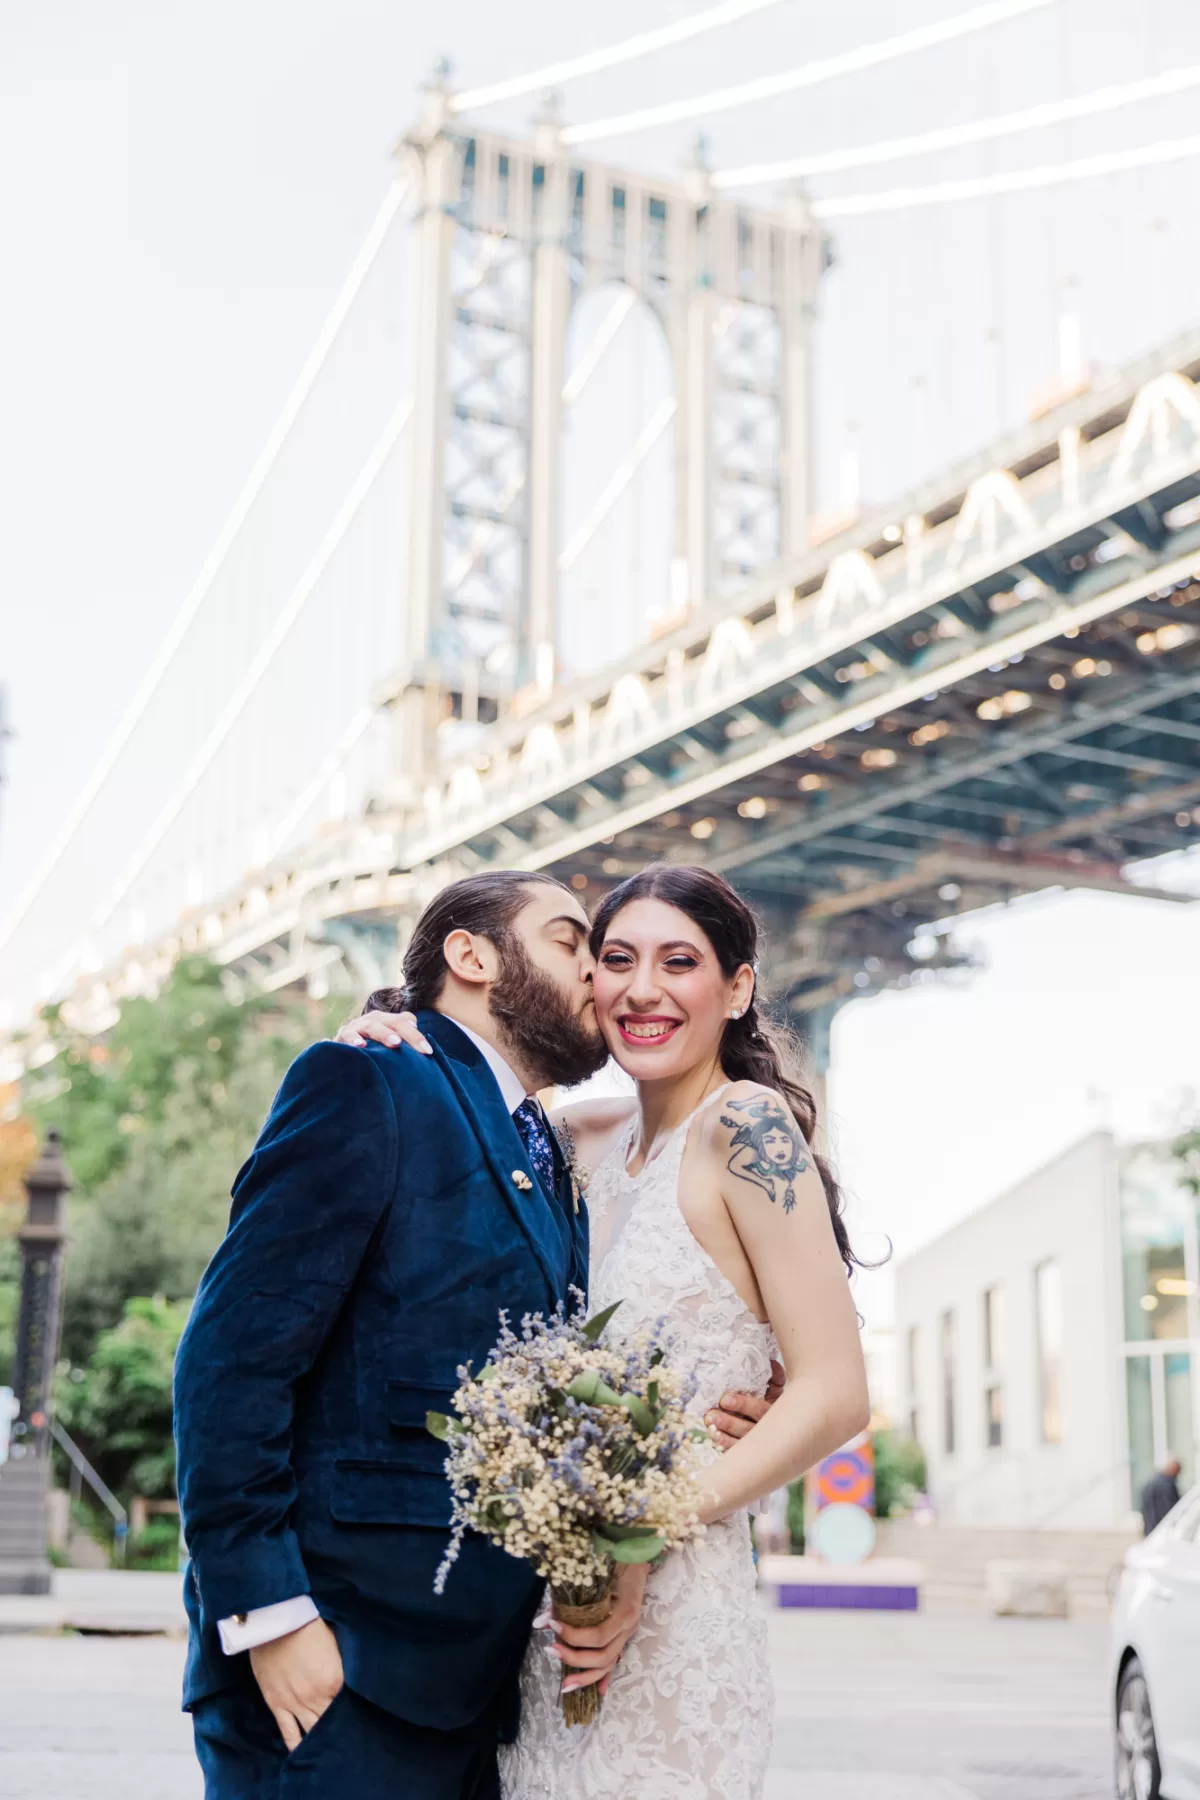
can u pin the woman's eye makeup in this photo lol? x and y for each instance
(678, 963)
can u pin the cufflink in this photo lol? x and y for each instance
(240, 1618)
(522, 1180)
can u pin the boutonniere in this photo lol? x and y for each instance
(580, 1175)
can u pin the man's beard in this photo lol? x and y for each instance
(537, 1023)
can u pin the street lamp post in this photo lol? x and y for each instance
(25, 1477)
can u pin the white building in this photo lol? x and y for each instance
(1049, 1345)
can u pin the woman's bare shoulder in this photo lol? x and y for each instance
(594, 1124)
(742, 1103)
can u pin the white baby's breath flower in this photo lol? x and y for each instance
(572, 1451)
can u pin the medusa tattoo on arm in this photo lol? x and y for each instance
(768, 1146)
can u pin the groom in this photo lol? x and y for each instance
(393, 1204)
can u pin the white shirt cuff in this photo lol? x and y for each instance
(248, 1630)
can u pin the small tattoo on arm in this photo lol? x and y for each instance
(768, 1147)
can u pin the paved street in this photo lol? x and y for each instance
(908, 1706)
(871, 1707)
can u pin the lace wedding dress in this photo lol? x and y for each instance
(688, 1712)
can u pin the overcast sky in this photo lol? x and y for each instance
(183, 190)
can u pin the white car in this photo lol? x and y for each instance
(1156, 1661)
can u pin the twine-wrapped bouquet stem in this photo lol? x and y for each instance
(585, 1606)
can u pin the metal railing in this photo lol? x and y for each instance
(81, 1471)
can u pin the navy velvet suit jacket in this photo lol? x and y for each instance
(376, 1232)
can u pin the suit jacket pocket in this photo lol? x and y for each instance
(400, 1491)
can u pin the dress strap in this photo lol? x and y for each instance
(678, 1135)
(709, 1100)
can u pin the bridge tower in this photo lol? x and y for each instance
(511, 236)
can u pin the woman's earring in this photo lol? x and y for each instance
(736, 1013)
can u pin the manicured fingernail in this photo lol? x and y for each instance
(542, 1621)
(728, 1401)
(424, 1046)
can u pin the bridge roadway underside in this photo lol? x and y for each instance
(950, 804)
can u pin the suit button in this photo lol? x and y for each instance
(239, 1618)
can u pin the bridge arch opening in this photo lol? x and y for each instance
(617, 535)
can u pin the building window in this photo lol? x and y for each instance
(1047, 1280)
(913, 1383)
(949, 1380)
(1159, 1252)
(993, 1367)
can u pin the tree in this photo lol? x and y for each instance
(155, 1119)
(118, 1407)
(18, 1147)
(899, 1474)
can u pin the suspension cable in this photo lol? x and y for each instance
(626, 469)
(953, 137)
(593, 61)
(259, 664)
(766, 87)
(242, 506)
(1016, 181)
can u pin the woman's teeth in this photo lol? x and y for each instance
(660, 1028)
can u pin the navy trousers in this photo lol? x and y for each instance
(355, 1749)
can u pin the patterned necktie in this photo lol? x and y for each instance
(530, 1121)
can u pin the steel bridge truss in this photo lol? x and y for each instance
(991, 689)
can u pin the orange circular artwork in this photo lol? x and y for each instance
(847, 1478)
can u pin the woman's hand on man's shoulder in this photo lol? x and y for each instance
(390, 1029)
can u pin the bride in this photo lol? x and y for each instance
(710, 1211)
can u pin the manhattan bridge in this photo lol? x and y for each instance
(407, 656)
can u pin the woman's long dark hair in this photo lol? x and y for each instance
(751, 1050)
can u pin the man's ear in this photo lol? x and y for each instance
(471, 958)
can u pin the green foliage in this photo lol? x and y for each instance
(795, 1516)
(10, 1262)
(899, 1474)
(155, 1122)
(155, 1118)
(118, 1406)
(157, 1547)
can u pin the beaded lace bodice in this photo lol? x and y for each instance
(688, 1712)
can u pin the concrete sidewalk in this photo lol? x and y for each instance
(899, 1706)
(128, 1603)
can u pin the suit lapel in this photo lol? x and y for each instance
(575, 1213)
(475, 1085)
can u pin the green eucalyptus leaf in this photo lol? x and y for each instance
(652, 1393)
(620, 1534)
(438, 1425)
(595, 1325)
(591, 1388)
(638, 1550)
(644, 1419)
(493, 1515)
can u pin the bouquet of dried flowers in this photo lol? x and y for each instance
(575, 1456)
